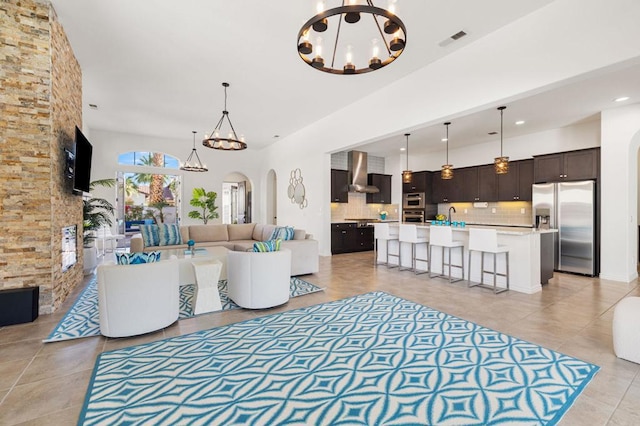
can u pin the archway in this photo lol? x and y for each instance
(272, 198)
(236, 199)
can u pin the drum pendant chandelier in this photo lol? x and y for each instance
(501, 164)
(366, 29)
(447, 169)
(231, 142)
(407, 174)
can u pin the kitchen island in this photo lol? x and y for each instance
(526, 248)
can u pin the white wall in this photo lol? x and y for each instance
(619, 171)
(108, 145)
(578, 136)
(315, 167)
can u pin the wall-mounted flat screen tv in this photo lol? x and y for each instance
(82, 169)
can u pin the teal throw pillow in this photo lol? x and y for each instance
(267, 246)
(283, 232)
(169, 234)
(137, 258)
(150, 235)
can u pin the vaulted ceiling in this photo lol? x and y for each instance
(155, 67)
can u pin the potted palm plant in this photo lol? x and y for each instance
(96, 212)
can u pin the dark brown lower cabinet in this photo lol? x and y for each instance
(348, 238)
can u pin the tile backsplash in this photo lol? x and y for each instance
(509, 213)
(357, 208)
(501, 213)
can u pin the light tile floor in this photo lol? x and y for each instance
(45, 384)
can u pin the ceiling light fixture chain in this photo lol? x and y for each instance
(193, 164)
(394, 41)
(447, 169)
(231, 142)
(407, 174)
(501, 164)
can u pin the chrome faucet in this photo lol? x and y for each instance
(454, 210)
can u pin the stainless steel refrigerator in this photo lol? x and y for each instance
(569, 207)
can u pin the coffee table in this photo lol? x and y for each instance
(186, 269)
(207, 296)
(204, 268)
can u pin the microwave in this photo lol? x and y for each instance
(413, 200)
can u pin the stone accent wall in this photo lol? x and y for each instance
(66, 114)
(40, 103)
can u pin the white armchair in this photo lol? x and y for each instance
(137, 299)
(259, 280)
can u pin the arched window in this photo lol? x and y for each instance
(145, 158)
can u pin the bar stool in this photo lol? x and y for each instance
(486, 241)
(383, 232)
(411, 234)
(442, 236)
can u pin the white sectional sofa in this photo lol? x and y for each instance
(240, 237)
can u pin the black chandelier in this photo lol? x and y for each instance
(231, 142)
(193, 164)
(385, 26)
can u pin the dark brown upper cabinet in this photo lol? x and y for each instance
(516, 185)
(419, 183)
(465, 184)
(567, 166)
(383, 183)
(339, 186)
(442, 190)
(487, 183)
(471, 184)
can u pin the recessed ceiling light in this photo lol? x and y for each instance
(276, 136)
(621, 99)
(93, 106)
(519, 122)
(402, 149)
(443, 139)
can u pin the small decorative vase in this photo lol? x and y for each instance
(383, 216)
(192, 246)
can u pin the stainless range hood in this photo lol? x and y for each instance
(357, 162)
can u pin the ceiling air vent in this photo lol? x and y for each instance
(447, 41)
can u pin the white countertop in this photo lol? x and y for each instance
(510, 230)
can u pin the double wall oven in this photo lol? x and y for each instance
(413, 216)
(413, 200)
(413, 204)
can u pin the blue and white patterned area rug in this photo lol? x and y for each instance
(83, 319)
(373, 359)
